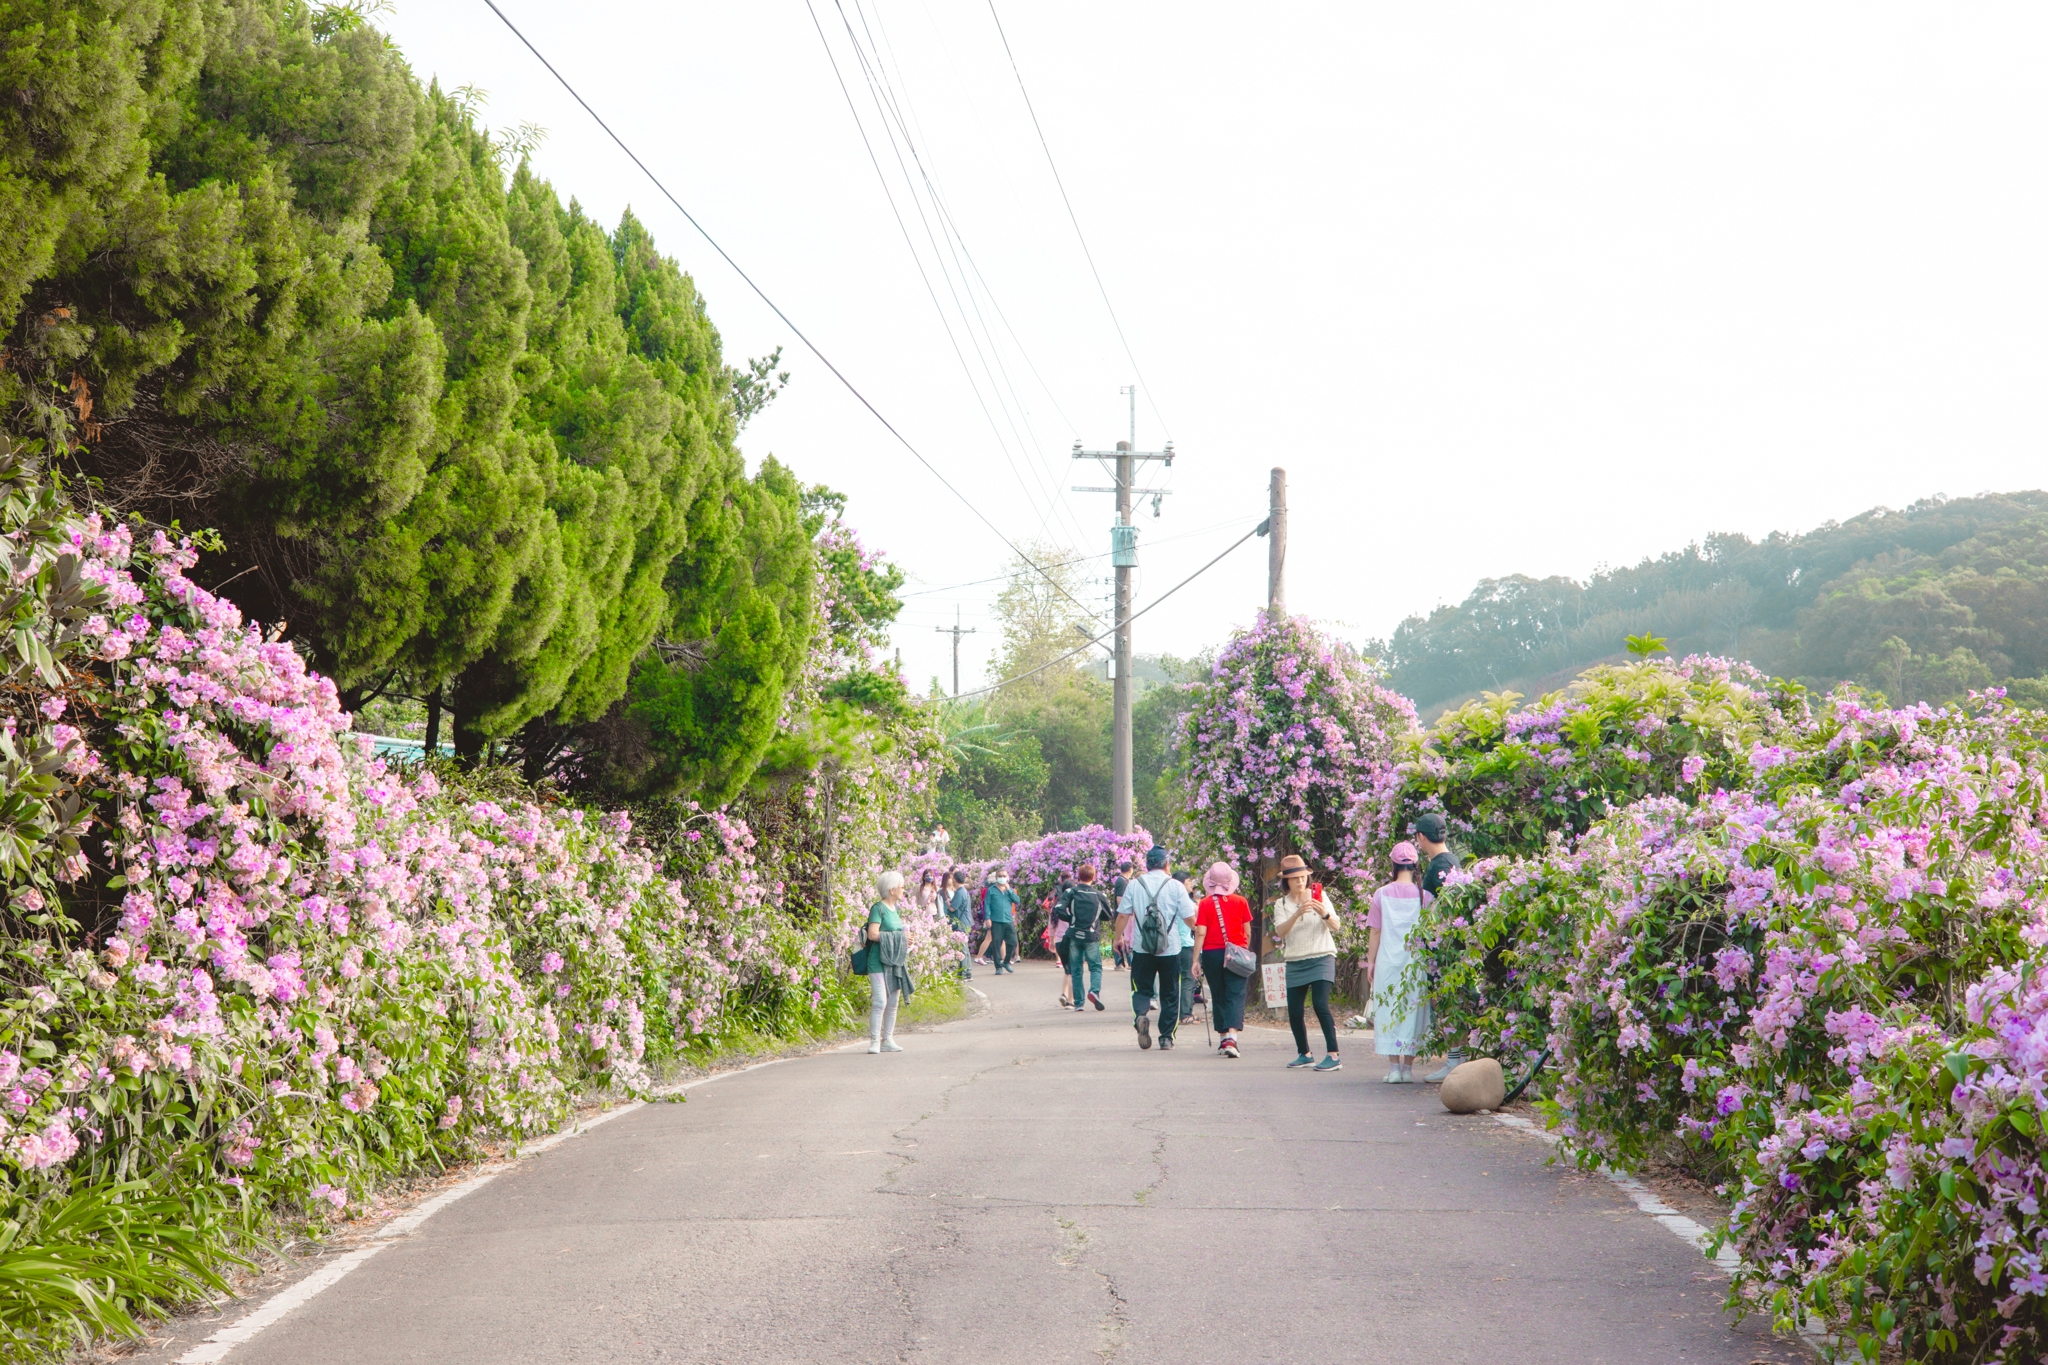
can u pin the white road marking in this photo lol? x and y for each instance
(1645, 1199)
(216, 1347)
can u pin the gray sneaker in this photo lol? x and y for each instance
(1166, 1042)
(1144, 1027)
(1451, 1063)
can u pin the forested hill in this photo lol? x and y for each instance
(1922, 603)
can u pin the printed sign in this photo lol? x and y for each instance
(1276, 985)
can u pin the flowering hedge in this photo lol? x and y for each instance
(1511, 783)
(246, 964)
(1823, 974)
(1290, 746)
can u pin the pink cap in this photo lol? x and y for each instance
(1403, 854)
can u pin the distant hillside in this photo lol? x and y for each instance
(1923, 603)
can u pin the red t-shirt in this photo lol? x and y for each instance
(1235, 919)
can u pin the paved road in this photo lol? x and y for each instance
(1027, 1186)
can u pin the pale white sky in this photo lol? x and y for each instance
(1506, 287)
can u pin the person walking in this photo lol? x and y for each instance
(1399, 1019)
(1190, 980)
(1430, 833)
(1155, 907)
(1223, 917)
(1120, 954)
(1082, 909)
(960, 910)
(1000, 902)
(1304, 921)
(887, 962)
(981, 928)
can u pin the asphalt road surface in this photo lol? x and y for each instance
(1027, 1185)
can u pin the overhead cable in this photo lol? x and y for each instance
(1095, 640)
(1075, 219)
(773, 307)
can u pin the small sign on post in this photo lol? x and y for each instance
(1275, 974)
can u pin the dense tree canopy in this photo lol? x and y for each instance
(1956, 584)
(470, 445)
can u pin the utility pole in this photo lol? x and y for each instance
(1276, 547)
(956, 632)
(1123, 554)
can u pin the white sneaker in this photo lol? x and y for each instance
(874, 1048)
(1393, 1076)
(1451, 1063)
(888, 1045)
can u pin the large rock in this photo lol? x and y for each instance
(1474, 1086)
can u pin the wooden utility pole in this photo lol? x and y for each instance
(1276, 546)
(1123, 547)
(956, 632)
(1275, 531)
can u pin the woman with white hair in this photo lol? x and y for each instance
(888, 963)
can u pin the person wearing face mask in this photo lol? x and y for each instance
(1001, 904)
(1305, 921)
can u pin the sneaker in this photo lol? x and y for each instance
(1080, 1009)
(874, 1048)
(1230, 1047)
(1407, 1076)
(1359, 1021)
(1166, 1042)
(1094, 999)
(1144, 1027)
(1329, 1063)
(889, 1045)
(1395, 1075)
(1451, 1063)
(1303, 1060)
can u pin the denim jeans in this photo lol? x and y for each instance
(1082, 956)
(1163, 972)
(1002, 944)
(1187, 982)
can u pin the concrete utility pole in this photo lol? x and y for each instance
(1123, 554)
(1276, 547)
(956, 632)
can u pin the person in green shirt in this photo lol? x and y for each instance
(1001, 904)
(888, 962)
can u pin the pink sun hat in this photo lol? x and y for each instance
(1220, 880)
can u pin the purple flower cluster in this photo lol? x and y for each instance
(1290, 745)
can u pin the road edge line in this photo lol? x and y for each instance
(217, 1346)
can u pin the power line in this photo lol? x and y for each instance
(1075, 219)
(1065, 563)
(762, 294)
(903, 227)
(992, 687)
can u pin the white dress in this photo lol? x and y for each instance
(1399, 1016)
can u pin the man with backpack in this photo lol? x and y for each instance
(1158, 908)
(1082, 907)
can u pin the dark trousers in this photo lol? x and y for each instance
(1187, 982)
(1297, 996)
(1226, 992)
(1002, 944)
(1163, 972)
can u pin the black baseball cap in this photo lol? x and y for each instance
(1431, 826)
